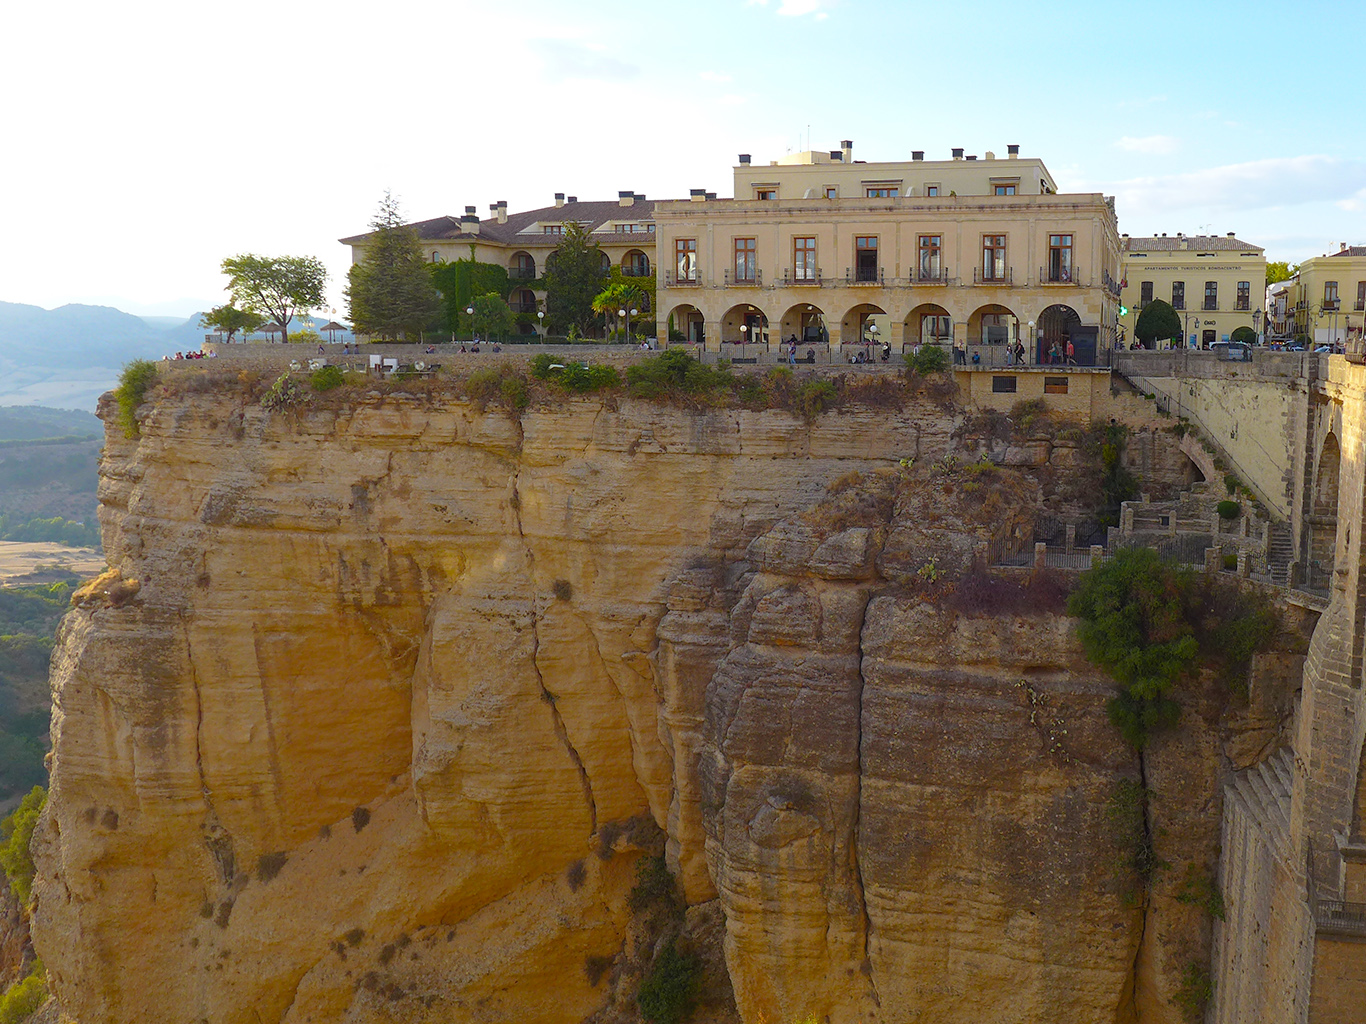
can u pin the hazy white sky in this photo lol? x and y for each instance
(145, 141)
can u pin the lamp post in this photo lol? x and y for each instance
(469, 311)
(871, 342)
(744, 330)
(629, 315)
(540, 322)
(1257, 325)
(1032, 353)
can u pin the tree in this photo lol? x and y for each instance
(1281, 271)
(281, 287)
(1244, 335)
(459, 281)
(229, 319)
(492, 316)
(390, 291)
(1156, 321)
(573, 278)
(15, 833)
(620, 294)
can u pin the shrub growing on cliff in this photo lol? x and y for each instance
(668, 992)
(23, 998)
(16, 831)
(674, 371)
(930, 359)
(285, 393)
(1229, 510)
(134, 382)
(325, 378)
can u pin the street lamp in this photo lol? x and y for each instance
(469, 311)
(1257, 325)
(540, 322)
(872, 342)
(744, 330)
(1031, 354)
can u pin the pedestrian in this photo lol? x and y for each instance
(792, 350)
(1071, 353)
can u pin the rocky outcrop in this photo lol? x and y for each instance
(381, 702)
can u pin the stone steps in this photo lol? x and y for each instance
(1264, 793)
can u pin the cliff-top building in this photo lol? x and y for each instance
(1326, 299)
(820, 247)
(1216, 283)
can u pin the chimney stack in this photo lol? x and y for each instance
(744, 159)
(469, 221)
(559, 200)
(572, 199)
(626, 198)
(1013, 152)
(847, 147)
(973, 157)
(1342, 246)
(958, 152)
(500, 211)
(697, 195)
(917, 154)
(837, 155)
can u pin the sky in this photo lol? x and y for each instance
(143, 142)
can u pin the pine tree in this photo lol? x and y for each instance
(390, 291)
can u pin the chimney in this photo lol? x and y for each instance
(917, 154)
(837, 155)
(559, 200)
(973, 157)
(572, 199)
(848, 147)
(958, 153)
(469, 222)
(640, 197)
(626, 198)
(744, 159)
(697, 195)
(1230, 235)
(1013, 152)
(500, 211)
(1342, 246)
(991, 155)
(711, 195)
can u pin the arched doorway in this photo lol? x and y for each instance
(522, 266)
(806, 323)
(751, 319)
(635, 264)
(1323, 522)
(993, 324)
(1055, 327)
(685, 325)
(864, 326)
(929, 324)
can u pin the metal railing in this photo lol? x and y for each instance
(1339, 916)
(1059, 275)
(940, 276)
(630, 271)
(864, 275)
(808, 278)
(980, 276)
(522, 274)
(522, 307)
(672, 280)
(732, 279)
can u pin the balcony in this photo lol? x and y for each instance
(732, 280)
(1330, 305)
(673, 280)
(522, 307)
(932, 276)
(807, 278)
(1361, 305)
(522, 274)
(1211, 306)
(998, 278)
(865, 276)
(636, 271)
(1059, 275)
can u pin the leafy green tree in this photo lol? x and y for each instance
(229, 319)
(1280, 270)
(15, 833)
(460, 281)
(1157, 321)
(573, 279)
(619, 294)
(281, 287)
(492, 316)
(1244, 335)
(390, 291)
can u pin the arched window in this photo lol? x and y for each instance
(436, 257)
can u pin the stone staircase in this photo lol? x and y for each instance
(1264, 793)
(1280, 553)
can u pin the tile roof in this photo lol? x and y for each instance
(1351, 250)
(591, 214)
(1194, 243)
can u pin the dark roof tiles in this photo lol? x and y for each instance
(515, 230)
(1194, 243)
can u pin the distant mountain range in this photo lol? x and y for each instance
(69, 356)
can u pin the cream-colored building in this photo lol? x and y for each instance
(1216, 283)
(825, 249)
(1326, 299)
(624, 230)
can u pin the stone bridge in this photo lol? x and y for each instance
(1293, 863)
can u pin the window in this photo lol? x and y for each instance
(881, 192)
(636, 264)
(1003, 385)
(1211, 294)
(1244, 294)
(1178, 295)
(553, 229)
(436, 257)
(523, 267)
(1361, 296)
(1060, 257)
(931, 190)
(929, 257)
(1330, 295)
(993, 258)
(744, 259)
(766, 193)
(865, 258)
(936, 328)
(804, 259)
(685, 259)
(1055, 385)
(831, 192)
(1145, 293)
(1004, 190)
(634, 229)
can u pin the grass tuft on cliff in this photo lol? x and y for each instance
(668, 993)
(135, 381)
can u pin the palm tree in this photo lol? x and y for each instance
(617, 296)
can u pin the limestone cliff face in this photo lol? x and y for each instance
(355, 726)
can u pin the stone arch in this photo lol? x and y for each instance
(993, 324)
(635, 264)
(522, 266)
(930, 324)
(1054, 325)
(853, 325)
(749, 316)
(805, 321)
(1323, 520)
(688, 320)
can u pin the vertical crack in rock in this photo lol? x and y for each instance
(858, 806)
(1147, 904)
